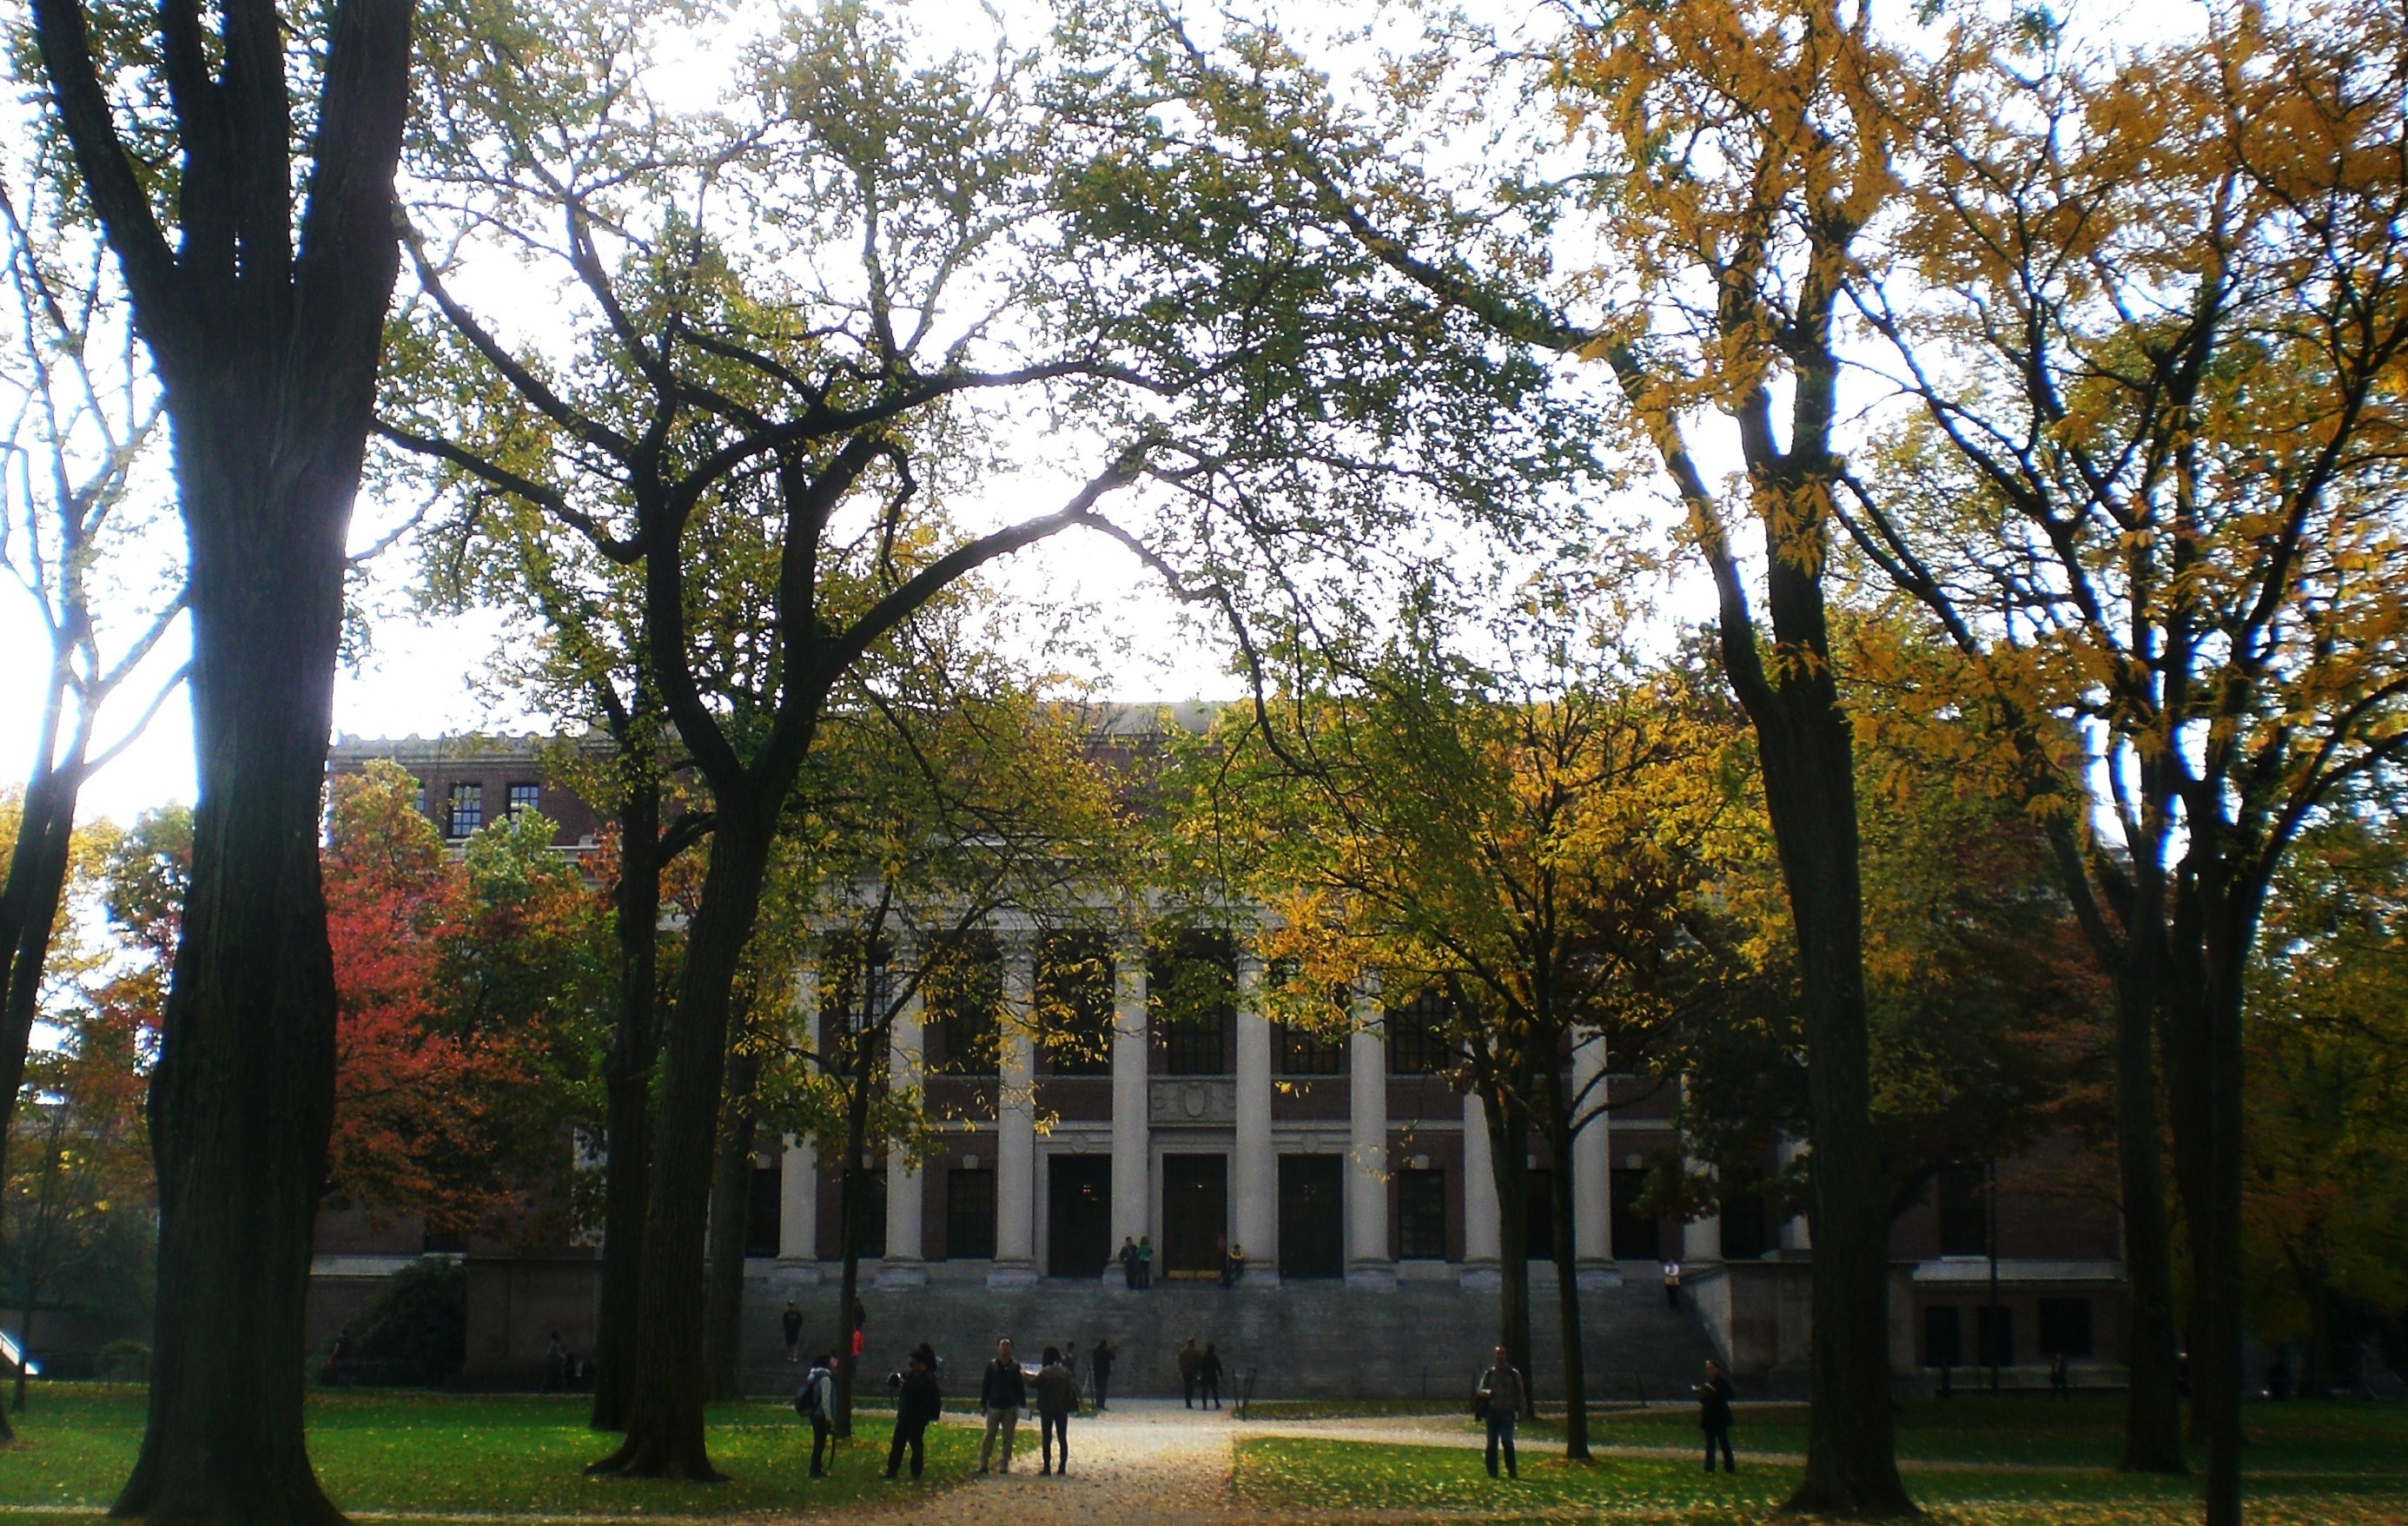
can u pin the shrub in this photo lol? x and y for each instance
(415, 1330)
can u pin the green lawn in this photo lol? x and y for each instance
(443, 1454)
(2027, 1463)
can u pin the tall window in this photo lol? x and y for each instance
(1301, 1051)
(1417, 1036)
(1305, 1021)
(1192, 995)
(1074, 1004)
(468, 811)
(969, 1213)
(1420, 1214)
(1964, 1202)
(963, 984)
(525, 799)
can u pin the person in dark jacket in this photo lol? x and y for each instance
(1100, 1365)
(918, 1402)
(1003, 1393)
(1715, 1416)
(790, 1324)
(1207, 1376)
(1502, 1398)
(1128, 1262)
(1191, 1362)
(1057, 1398)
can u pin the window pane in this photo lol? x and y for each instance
(1943, 1343)
(1301, 1051)
(1191, 1000)
(1417, 1041)
(467, 810)
(963, 985)
(525, 798)
(1420, 1214)
(969, 1213)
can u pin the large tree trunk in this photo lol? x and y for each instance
(243, 1096)
(852, 1204)
(627, 1078)
(1509, 1151)
(2230, 930)
(29, 909)
(2151, 1403)
(1567, 1322)
(664, 1416)
(731, 1209)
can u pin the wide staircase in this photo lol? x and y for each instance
(1300, 1339)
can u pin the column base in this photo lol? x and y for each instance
(1375, 1275)
(797, 1274)
(895, 1271)
(1482, 1273)
(1597, 1275)
(1018, 1274)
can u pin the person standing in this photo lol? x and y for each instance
(792, 1323)
(1672, 1284)
(1057, 1396)
(555, 1366)
(1191, 1362)
(1128, 1262)
(1501, 1398)
(1207, 1376)
(1099, 1363)
(1003, 1393)
(1715, 1416)
(1144, 1261)
(815, 1401)
(917, 1405)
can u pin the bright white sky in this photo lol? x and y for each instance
(418, 678)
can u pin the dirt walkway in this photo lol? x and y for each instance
(1146, 1461)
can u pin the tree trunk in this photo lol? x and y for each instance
(1803, 736)
(243, 1096)
(627, 1078)
(665, 1414)
(731, 1211)
(2152, 1404)
(29, 909)
(1509, 1150)
(852, 1204)
(1568, 1321)
(2217, 1241)
(2315, 1372)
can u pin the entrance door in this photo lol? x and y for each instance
(1311, 1216)
(1078, 1215)
(1195, 1214)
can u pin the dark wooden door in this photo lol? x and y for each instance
(1078, 1215)
(1311, 1216)
(1195, 1214)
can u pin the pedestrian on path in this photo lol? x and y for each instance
(1672, 1284)
(1058, 1397)
(1207, 1376)
(815, 1401)
(1499, 1399)
(1715, 1416)
(1233, 1267)
(1003, 1393)
(1191, 1362)
(792, 1323)
(1128, 1262)
(918, 1402)
(1099, 1363)
(1144, 1261)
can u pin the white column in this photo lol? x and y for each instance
(1367, 1262)
(1131, 1104)
(1256, 1190)
(1793, 1228)
(798, 1168)
(1481, 1259)
(1592, 1166)
(904, 1266)
(1015, 1112)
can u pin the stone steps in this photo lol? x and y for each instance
(1302, 1339)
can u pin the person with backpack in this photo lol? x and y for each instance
(1058, 1397)
(815, 1401)
(1499, 1399)
(1715, 1416)
(918, 1402)
(1003, 1393)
